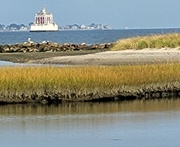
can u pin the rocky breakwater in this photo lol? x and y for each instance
(30, 46)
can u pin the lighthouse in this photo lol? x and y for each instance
(43, 22)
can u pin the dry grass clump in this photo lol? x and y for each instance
(14, 80)
(154, 41)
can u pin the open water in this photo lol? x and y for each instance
(125, 124)
(89, 37)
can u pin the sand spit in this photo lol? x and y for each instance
(145, 56)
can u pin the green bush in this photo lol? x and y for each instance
(142, 44)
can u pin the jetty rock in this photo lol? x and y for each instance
(47, 46)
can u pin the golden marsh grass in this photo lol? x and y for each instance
(154, 41)
(100, 79)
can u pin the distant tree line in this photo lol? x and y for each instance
(13, 27)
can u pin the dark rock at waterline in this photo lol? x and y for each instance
(51, 47)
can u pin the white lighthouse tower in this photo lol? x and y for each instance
(43, 22)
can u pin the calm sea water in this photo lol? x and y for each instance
(125, 124)
(89, 37)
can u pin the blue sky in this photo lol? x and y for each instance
(116, 13)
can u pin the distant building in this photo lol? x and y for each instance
(43, 22)
(92, 26)
(2, 27)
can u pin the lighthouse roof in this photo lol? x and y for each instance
(44, 12)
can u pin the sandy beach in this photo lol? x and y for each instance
(145, 56)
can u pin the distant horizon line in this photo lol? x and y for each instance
(113, 28)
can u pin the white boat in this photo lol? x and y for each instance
(43, 22)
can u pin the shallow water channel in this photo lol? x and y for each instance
(9, 64)
(136, 123)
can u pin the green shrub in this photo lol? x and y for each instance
(142, 44)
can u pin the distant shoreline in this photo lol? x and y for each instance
(22, 27)
(27, 30)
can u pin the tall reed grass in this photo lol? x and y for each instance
(153, 41)
(83, 80)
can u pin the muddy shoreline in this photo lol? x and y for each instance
(96, 57)
(169, 91)
(35, 56)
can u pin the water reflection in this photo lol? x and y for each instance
(92, 108)
(136, 123)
